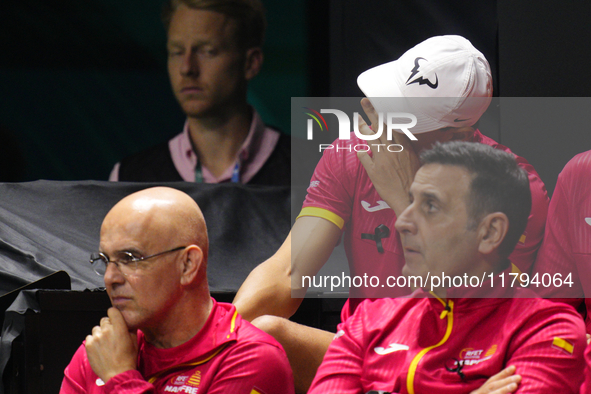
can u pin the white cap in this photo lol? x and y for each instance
(444, 80)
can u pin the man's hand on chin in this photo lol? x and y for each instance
(111, 349)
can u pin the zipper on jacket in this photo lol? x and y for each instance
(448, 312)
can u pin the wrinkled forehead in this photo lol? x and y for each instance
(445, 181)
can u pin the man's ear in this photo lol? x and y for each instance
(253, 62)
(192, 261)
(492, 231)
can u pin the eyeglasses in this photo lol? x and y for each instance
(127, 265)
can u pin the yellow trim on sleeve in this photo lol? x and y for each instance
(324, 214)
(563, 344)
(255, 392)
(522, 238)
(412, 369)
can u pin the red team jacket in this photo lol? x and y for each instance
(228, 355)
(566, 249)
(586, 387)
(341, 192)
(417, 345)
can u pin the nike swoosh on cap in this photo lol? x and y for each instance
(588, 220)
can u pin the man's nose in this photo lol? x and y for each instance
(113, 275)
(189, 64)
(404, 222)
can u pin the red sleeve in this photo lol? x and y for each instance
(526, 249)
(586, 387)
(341, 368)
(75, 374)
(555, 255)
(333, 182)
(566, 249)
(548, 352)
(253, 367)
(80, 379)
(129, 382)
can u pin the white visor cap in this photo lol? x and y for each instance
(444, 81)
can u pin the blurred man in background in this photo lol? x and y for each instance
(214, 50)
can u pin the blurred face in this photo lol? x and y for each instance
(434, 228)
(205, 65)
(145, 296)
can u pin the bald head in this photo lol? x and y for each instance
(159, 217)
(164, 293)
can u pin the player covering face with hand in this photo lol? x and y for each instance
(346, 189)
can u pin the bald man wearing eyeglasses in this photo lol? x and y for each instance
(164, 332)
